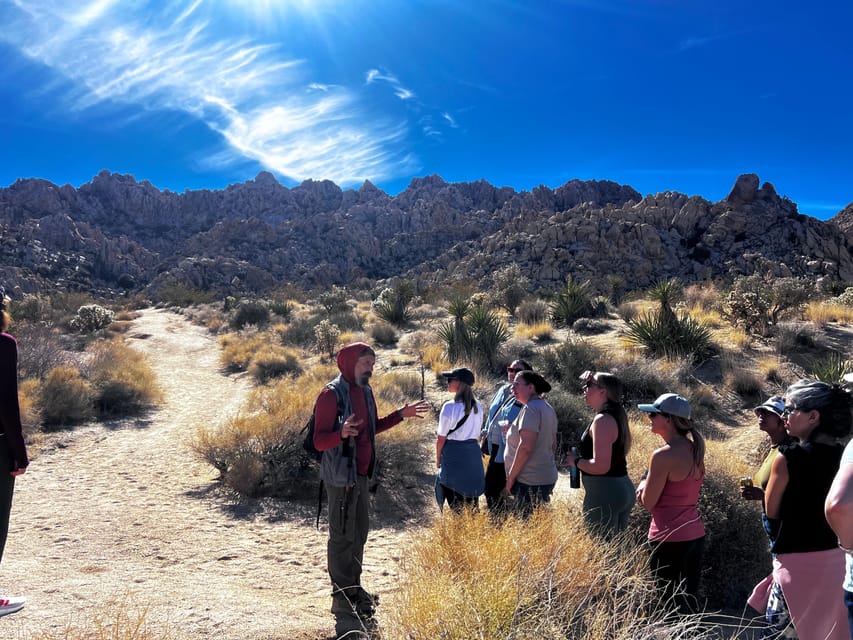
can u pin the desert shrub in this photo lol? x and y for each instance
(745, 383)
(703, 295)
(547, 578)
(392, 304)
(509, 286)
(334, 300)
(844, 299)
(532, 312)
(589, 326)
(660, 335)
(565, 362)
(281, 308)
(33, 308)
(758, 303)
(274, 361)
(793, 336)
(397, 387)
(40, 349)
(122, 380)
(831, 368)
(300, 333)
(91, 318)
(383, 333)
(250, 312)
(326, 337)
(65, 397)
(572, 302)
(643, 380)
(517, 347)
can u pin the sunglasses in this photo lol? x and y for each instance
(513, 369)
(790, 409)
(587, 385)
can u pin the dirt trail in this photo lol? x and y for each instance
(126, 510)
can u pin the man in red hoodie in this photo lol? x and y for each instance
(346, 436)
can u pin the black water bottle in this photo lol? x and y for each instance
(574, 472)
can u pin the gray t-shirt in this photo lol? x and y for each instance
(537, 416)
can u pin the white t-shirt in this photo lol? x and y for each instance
(451, 414)
(847, 458)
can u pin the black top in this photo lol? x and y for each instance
(802, 526)
(618, 462)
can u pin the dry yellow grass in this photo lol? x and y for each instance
(822, 313)
(538, 332)
(464, 578)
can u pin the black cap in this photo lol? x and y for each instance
(462, 374)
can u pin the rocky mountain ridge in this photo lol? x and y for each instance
(115, 234)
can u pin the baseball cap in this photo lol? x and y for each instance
(670, 403)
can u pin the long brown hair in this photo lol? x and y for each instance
(465, 395)
(613, 405)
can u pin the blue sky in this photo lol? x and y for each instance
(680, 95)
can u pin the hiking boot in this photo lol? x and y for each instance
(365, 603)
(349, 626)
(11, 604)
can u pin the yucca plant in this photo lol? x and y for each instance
(664, 336)
(831, 368)
(572, 302)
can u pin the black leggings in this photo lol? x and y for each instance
(678, 564)
(495, 481)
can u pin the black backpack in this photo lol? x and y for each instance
(308, 429)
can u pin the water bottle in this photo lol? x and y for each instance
(574, 472)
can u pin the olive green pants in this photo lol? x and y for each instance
(348, 526)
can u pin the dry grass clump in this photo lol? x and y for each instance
(703, 295)
(543, 578)
(274, 361)
(822, 313)
(123, 381)
(538, 332)
(119, 619)
(65, 397)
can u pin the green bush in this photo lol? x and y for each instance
(334, 300)
(65, 397)
(845, 298)
(250, 312)
(589, 326)
(669, 337)
(300, 333)
(176, 294)
(32, 308)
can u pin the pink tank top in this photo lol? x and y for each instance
(675, 517)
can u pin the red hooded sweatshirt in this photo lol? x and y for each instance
(327, 410)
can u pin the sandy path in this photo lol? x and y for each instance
(126, 510)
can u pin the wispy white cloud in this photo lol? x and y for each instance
(375, 75)
(450, 119)
(254, 96)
